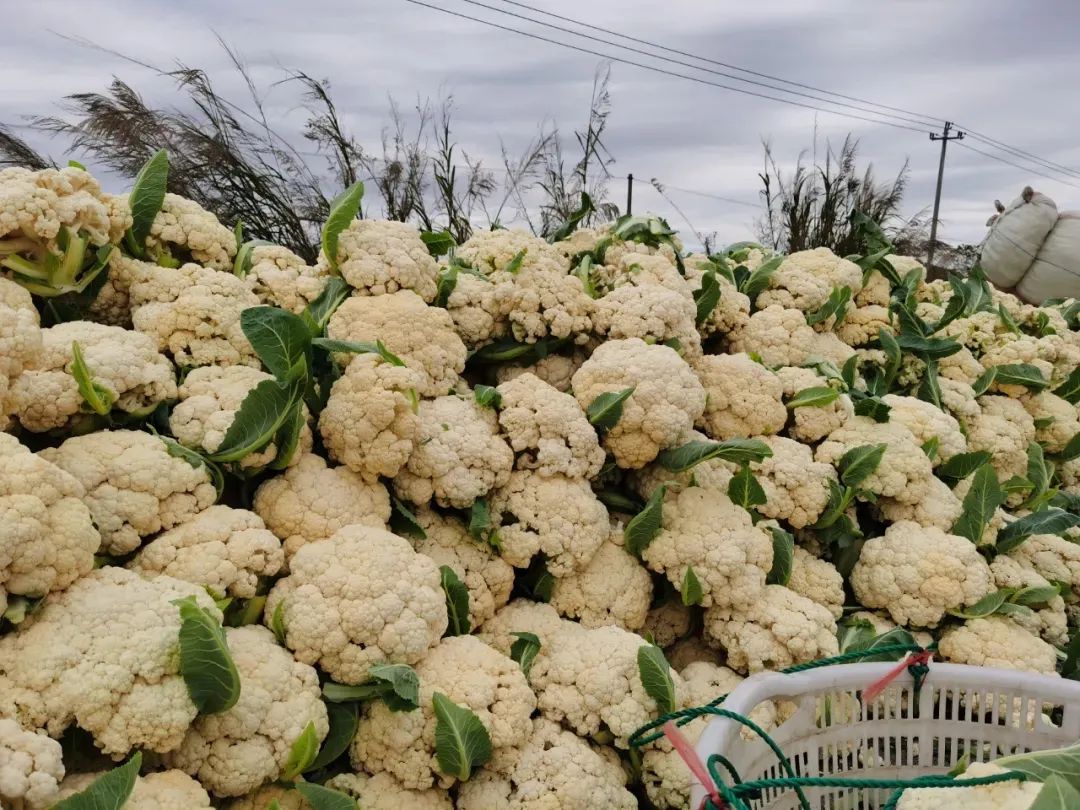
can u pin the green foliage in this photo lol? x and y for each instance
(835, 307)
(707, 296)
(979, 505)
(655, 674)
(816, 397)
(691, 591)
(110, 791)
(689, 455)
(302, 753)
(859, 463)
(524, 649)
(783, 544)
(403, 522)
(1022, 374)
(145, 200)
(438, 243)
(324, 798)
(605, 411)
(344, 720)
(644, 527)
(457, 602)
(277, 622)
(396, 685)
(343, 210)
(1047, 521)
(962, 465)
(98, 398)
(205, 662)
(745, 490)
(487, 397)
(461, 740)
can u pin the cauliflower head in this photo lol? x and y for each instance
(812, 424)
(469, 673)
(359, 598)
(383, 792)
(125, 364)
(731, 312)
(995, 641)
(47, 537)
(210, 398)
(487, 576)
(650, 312)
(282, 279)
(370, 423)
(20, 339)
(311, 500)
(804, 280)
(1056, 420)
(817, 580)
(558, 516)
(31, 767)
(919, 573)
(459, 455)
(926, 422)
(667, 398)
(781, 337)
(104, 655)
(221, 548)
(1004, 429)
(547, 429)
(546, 303)
(613, 588)
(555, 369)
(778, 630)
(185, 230)
(796, 487)
(941, 508)
(234, 752)
(743, 397)
(165, 790)
(492, 251)
(422, 336)
(905, 470)
(1011, 795)
(134, 486)
(377, 257)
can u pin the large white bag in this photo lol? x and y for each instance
(1055, 273)
(1015, 237)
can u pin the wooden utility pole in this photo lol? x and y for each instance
(629, 192)
(944, 137)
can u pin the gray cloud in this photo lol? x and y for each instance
(997, 67)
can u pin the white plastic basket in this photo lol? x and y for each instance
(961, 710)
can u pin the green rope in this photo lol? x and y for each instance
(737, 794)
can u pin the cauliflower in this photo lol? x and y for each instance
(126, 365)
(1053, 557)
(221, 548)
(546, 303)
(103, 655)
(488, 577)
(185, 230)
(919, 573)
(1011, 795)
(777, 630)
(558, 516)
(210, 398)
(166, 790)
(548, 429)
(480, 307)
(743, 397)
(112, 303)
(876, 289)
(781, 337)
(553, 769)
(525, 616)
(369, 423)
(377, 257)
(905, 470)
(731, 312)
(650, 312)
(713, 474)
(640, 266)
(459, 455)
(958, 398)
(47, 538)
(998, 642)
(589, 681)
(882, 624)
(804, 280)
(925, 423)
(703, 529)
(1004, 429)
(612, 589)
(796, 487)
(383, 792)
(940, 508)
(134, 486)
(20, 339)
(310, 501)
(811, 424)
(1056, 420)
(359, 598)
(862, 325)
(1047, 620)
(469, 673)
(280, 278)
(817, 580)
(976, 331)
(193, 313)
(554, 369)
(235, 751)
(31, 767)
(422, 336)
(491, 252)
(666, 401)
(667, 623)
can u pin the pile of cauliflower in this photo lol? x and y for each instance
(509, 474)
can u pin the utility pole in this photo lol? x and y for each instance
(944, 137)
(629, 191)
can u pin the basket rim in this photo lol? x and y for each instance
(763, 686)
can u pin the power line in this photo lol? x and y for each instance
(919, 118)
(660, 70)
(1015, 165)
(932, 120)
(695, 192)
(689, 64)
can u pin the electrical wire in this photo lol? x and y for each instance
(660, 70)
(999, 159)
(1020, 153)
(687, 191)
(697, 67)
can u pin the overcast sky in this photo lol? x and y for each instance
(1005, 69)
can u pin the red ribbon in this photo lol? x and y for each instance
(871, 692)
(685, 750)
